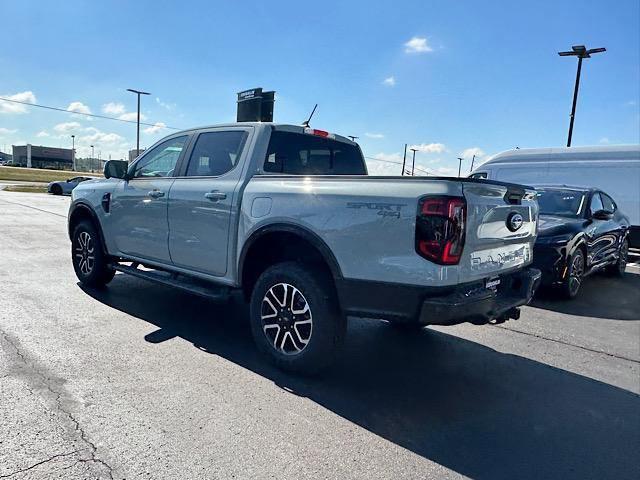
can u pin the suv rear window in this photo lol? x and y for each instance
(303, 154)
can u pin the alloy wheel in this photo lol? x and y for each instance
(84, 253)
(286, 319)
(577, 271)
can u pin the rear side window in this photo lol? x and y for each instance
(302, 154)
(215, 153)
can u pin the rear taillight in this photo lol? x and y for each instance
(440, 228)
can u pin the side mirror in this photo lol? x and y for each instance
(116, 169)
(602, 215)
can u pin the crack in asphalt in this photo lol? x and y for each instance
(34, 208)
(569, 344)
(46, 382)
(37, 464)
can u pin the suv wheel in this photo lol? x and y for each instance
(575, 273)
(295, 318)
(618, 268)
(87, 254)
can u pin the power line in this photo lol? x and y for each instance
(85, 114)
(397, 163)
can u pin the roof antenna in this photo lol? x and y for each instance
(306, 122)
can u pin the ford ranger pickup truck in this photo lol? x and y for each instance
(288, 217)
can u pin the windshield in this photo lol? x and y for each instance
(566, 203)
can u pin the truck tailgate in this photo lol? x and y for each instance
(501, 229)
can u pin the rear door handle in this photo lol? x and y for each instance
(155, 194)
(215, 196)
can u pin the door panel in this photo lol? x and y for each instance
(201, 203)
(139, 218)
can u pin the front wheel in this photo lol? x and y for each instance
(56, 189)
(87, 254)
(295, 318)
(575, 274)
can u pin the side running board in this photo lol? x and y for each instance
(192, 285)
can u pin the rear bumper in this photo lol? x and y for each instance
(482, 305)
(470, 302)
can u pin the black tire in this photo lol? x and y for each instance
(282, 336)
(618, 268)
(575, 274)
(87, 255)
(56, 189)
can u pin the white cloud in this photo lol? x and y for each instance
(429, 147)
(389, 81)
(9, 107)
(374, 135)
(132, 116)
(42, 134)
(67, 127)
(417, 45)
(604, 140)
(113, 108)
(445, 171)
(7, 131)
(632, 103)
(468, 153)
(157, 127)
(100, 138)
(78, 107)
(171, 106)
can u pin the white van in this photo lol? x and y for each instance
(613, 169)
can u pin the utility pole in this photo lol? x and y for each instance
(91, 162)
(472, 162)
(404, 159)
(581, 52)
(459, 165)
(413, 166)
(73, 152)
(138, 93)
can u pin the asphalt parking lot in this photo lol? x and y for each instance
(140, 381)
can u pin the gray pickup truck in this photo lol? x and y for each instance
(288, 217)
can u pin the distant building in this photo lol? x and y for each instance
(32, 156)
(133, 154)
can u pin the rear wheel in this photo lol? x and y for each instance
(89, 260)
(618, 268)
(295, 318)
(575, 274)
(56, 189)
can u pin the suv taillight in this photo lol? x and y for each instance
(440, 228)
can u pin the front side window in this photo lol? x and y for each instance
(160, 161)
(216, 153)
(302, 154)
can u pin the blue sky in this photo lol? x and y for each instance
(451, 77)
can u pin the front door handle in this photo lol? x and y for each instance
(155, 194)
(215, 196)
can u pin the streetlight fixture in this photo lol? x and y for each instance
(352, 137)
(73, 152)
(413, 165)
(138, 93)
(581, 52)
(459, 165)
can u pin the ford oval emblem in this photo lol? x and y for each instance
(514, 221)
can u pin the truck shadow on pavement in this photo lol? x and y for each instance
(477, 411)
(600, 297)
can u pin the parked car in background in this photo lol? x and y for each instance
(65, 187)
(580, 231)
(614, 169)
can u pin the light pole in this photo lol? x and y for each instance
(352, 137)
(73, 152)
(581, 52)
(404, 158)
(138, 93)
(472, 162)
(459, 165)
(91, 162)
(413, 166)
